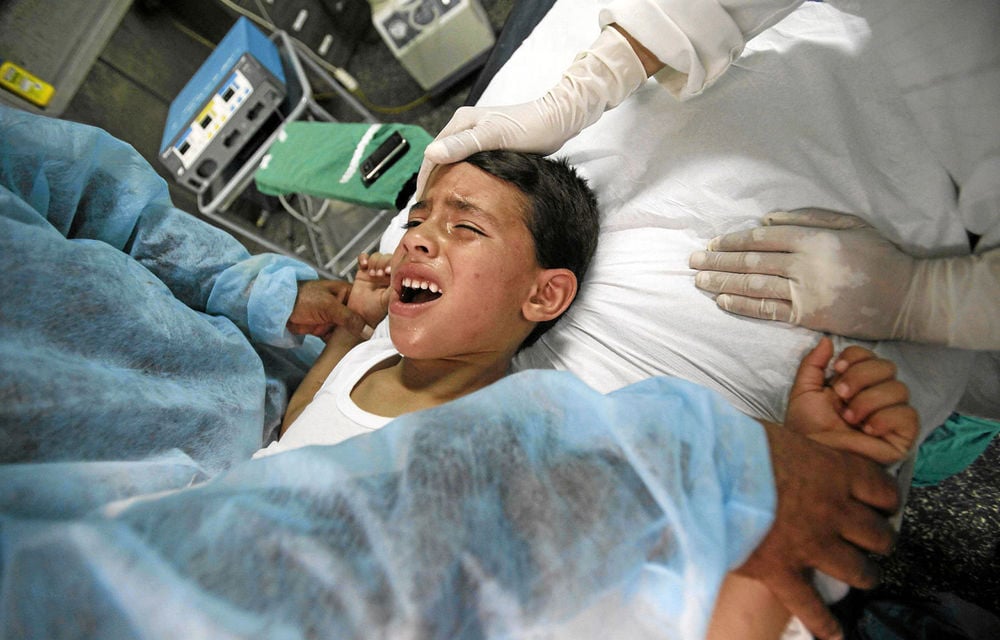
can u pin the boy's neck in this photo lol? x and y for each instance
(408, 384)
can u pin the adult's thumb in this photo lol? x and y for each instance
(452, 148)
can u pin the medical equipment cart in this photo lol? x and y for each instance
(336, 231)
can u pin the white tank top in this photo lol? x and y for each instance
(332, 416)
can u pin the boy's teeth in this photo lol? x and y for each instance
(410, 283)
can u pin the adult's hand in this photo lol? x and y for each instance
(818, 269)
(321, 306)
(832, 507)
(600, 78)
(833, 272)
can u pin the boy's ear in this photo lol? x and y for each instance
(552, 294)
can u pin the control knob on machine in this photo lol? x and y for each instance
(423, 14)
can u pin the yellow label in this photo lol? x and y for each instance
(17, 80)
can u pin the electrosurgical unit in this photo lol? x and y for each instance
(228, 100)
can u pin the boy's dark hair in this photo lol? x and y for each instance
(562, 212)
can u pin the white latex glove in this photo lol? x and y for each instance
(833, 272)
(600, 78)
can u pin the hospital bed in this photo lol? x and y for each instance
(580, 514)
(803, 120)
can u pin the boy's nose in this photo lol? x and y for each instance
(425, 238)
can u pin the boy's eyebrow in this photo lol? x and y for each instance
(460, 203)
(463, 204)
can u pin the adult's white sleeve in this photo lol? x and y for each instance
(973, 284)
(979, 201)
(697, 40)
(954, 301)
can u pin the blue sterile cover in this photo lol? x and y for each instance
(533, 508)
(124, 317)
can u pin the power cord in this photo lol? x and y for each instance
(340, 74)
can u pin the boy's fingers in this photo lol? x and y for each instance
(851, 356)
(375, 264)
(880, 450)
(856, 353)
(862, 375)
(898, 425)
(811, 374)
(876, 398)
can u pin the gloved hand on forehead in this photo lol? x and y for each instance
(833, 272)
(600, 78)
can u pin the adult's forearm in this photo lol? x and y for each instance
(696, 40)
(831, 507)
(954, 301)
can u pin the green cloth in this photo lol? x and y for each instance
(323, 159)
(952, 447)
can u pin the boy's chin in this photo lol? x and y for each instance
(413, 352)
(411, 344)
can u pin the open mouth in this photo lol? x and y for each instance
(416, 291)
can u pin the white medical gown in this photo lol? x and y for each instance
(697, 40)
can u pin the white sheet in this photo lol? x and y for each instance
(805, 118)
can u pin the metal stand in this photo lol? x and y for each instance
(301, 105)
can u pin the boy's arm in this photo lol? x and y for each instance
(369, 299)
(337, 345)
(863, 408)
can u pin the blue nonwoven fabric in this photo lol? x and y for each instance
(127, 326)
(533, 508)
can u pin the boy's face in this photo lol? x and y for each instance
(464, 268)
